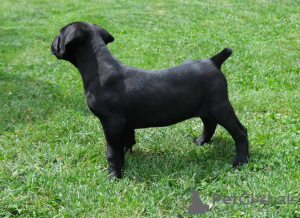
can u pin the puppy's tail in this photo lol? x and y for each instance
(219, 58)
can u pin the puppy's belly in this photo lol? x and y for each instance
(155, 123)
(163, 117)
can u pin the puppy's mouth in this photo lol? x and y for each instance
(55, 47)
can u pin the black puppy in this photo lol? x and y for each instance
(125, 98)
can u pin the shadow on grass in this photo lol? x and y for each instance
(25, 99)
(198, 161)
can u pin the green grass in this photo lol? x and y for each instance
(52, 149)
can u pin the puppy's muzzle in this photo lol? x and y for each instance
(55, 47)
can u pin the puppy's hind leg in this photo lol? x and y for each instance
(208, 130)
(225, 116)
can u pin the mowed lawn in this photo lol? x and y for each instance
(52, 149)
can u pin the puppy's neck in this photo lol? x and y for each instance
(96, 63)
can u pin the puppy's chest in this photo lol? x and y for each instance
(92, 94)
(100, 102)
(91, 99)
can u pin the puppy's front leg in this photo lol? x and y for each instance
(129, 139)
(115, 139)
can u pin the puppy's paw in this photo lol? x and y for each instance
(240, 160)
(114, 175)
(200, 141)
(126, 149)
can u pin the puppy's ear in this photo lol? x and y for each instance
(74, 34)
(105, 35)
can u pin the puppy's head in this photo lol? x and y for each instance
(75, 35)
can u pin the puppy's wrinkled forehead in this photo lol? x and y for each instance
(75, 26)
(87, 29)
